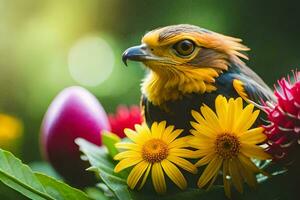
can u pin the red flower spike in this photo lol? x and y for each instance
(283, 130)
(125, 118)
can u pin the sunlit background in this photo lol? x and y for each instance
(47, 45)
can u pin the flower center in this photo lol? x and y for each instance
(155, 150)
(227, 146)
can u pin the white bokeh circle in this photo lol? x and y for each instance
(91, 61)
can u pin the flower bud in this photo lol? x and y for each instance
(74, 113)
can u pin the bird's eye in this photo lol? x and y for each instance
(184, 47)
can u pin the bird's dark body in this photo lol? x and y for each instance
(178, 112)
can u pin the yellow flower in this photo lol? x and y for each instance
(157, 150)
(10, 130)
(225, 141)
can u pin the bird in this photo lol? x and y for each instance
(189, 66)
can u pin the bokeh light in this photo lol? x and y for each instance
(91, 61)
(11, 130)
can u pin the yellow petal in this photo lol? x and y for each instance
(173, 135)
(167, 132)
(202, 152)
(154, 129)
(198, 117)
(174, 174)
(185, 153)
(180, 142)
(158, 178)
(235, 175)
(250, 178)
(128, 145)
(250, 121)
(136, 173)
(143, 129)
(247, 174)
(127, 154)
(245, 115)
(206, 159)
(198, 143)
(131, 134)
(253, 151)
(211, 117)
(230, 116)
(184, 164)
(161, 128)
(212, 180)
(140, 128)
(127, 162)
(248, 164)
(210, 171)
(157, 129)
(253, 136)
(145, 176)
(202, 130)
(225, 180)
(221, 106)
(238, 108)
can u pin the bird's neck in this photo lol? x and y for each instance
(160, 88)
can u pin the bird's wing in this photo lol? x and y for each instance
(252, 91)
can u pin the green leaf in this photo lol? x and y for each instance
(97, 156)
(20, 177)
(44, 168)
(103, 164)
(117, 185)
(59, 190)
(8, 193)
(96, 194)
(109, 140)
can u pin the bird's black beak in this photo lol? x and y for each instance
(136, 53)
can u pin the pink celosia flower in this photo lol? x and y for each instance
(283, 130)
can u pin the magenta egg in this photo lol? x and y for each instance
(74, 113)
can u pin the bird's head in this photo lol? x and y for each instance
(183, 59)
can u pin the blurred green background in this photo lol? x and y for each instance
(47, 45)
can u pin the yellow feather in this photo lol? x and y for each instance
(160, 89)
(239, 88)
